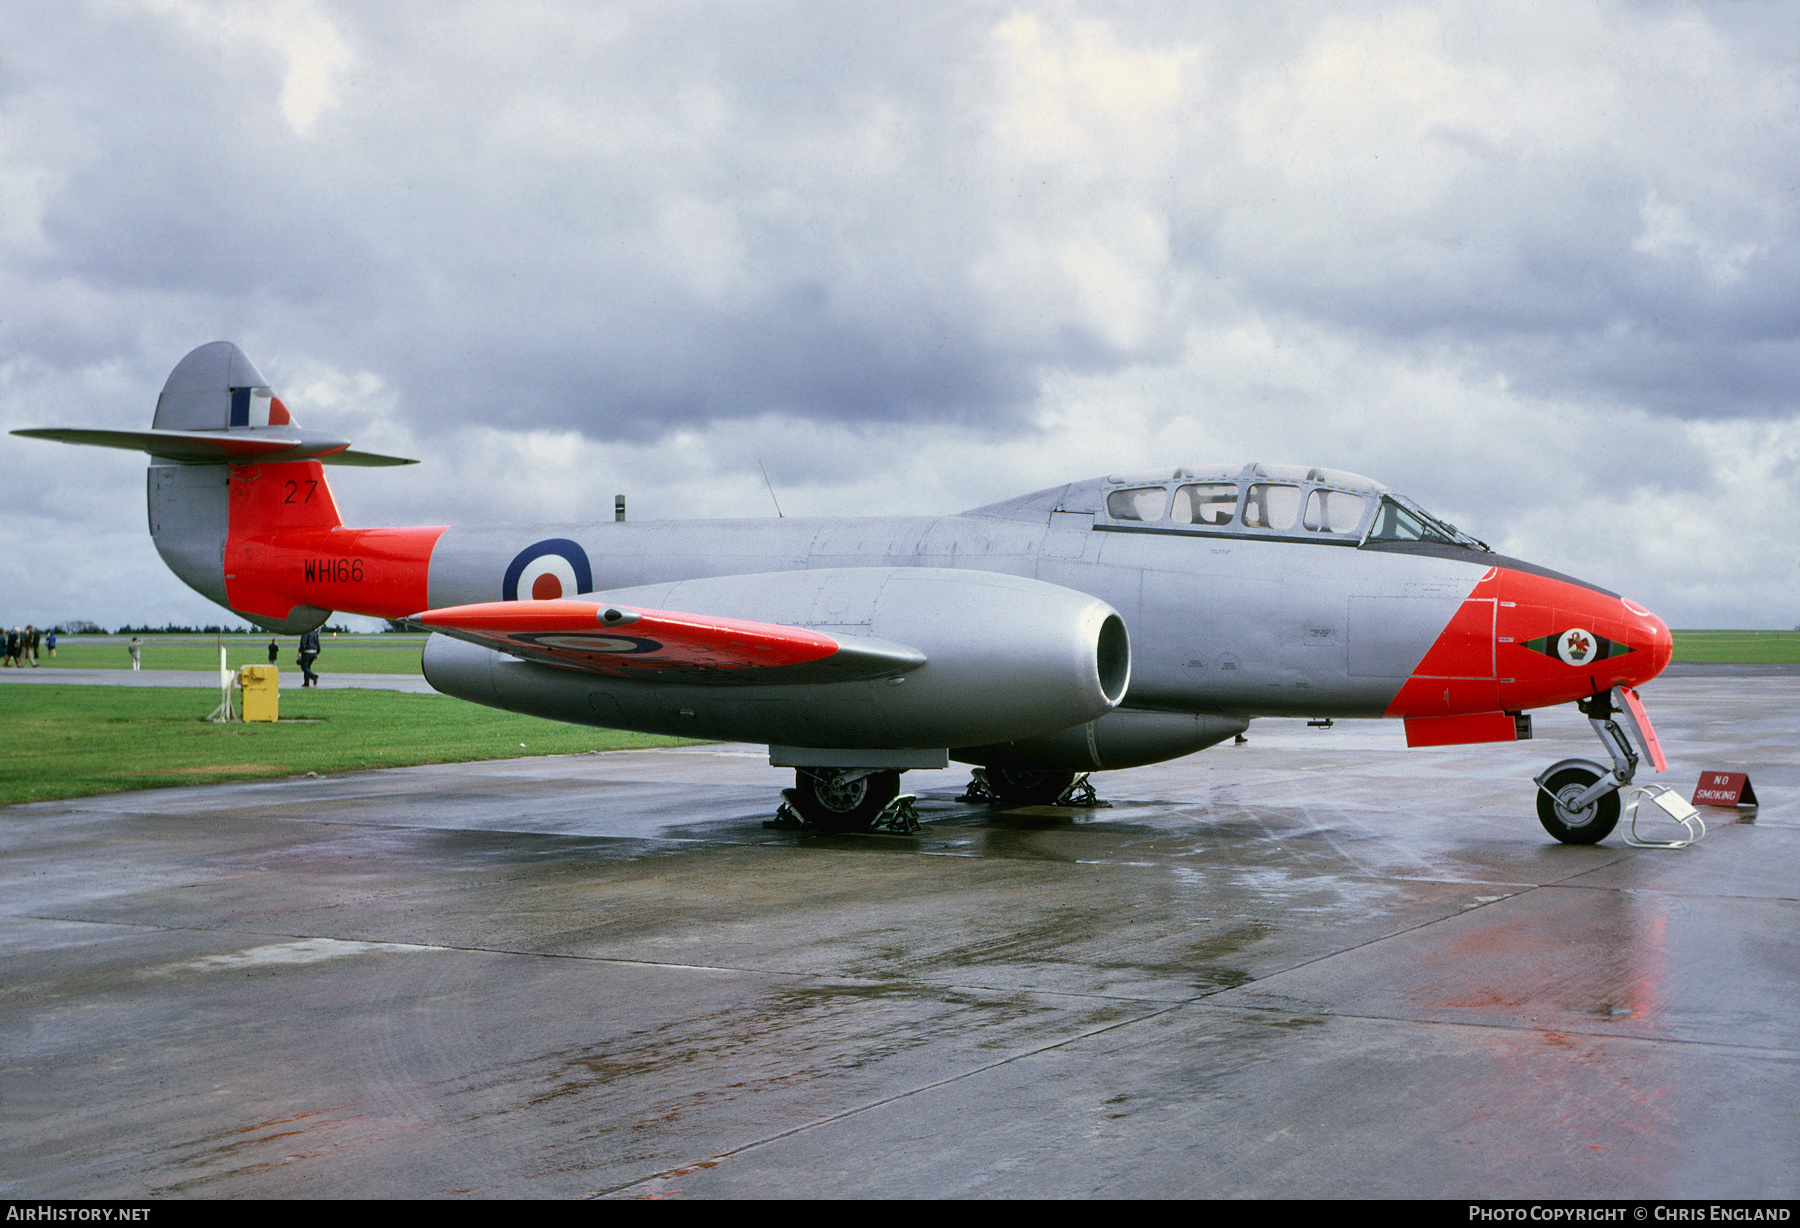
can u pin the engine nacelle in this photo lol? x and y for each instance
(1124, 738)
(1005, 658)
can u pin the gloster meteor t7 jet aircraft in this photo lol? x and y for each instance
(1096, 625)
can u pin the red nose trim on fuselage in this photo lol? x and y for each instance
(1521, 640)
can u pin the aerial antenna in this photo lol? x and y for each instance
(771, 486)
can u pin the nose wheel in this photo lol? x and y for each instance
(1562, 814)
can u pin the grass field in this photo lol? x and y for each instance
(1760, 647)
(76, 741)
(348, 654)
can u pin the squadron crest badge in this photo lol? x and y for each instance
(1577, 646)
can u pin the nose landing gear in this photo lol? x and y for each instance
(1578, 799)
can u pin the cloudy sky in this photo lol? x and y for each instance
(1534, 264)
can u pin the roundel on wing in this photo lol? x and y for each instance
(545, 571)
(592, 643)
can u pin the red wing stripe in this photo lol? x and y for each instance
(617, 639)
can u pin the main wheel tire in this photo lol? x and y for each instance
(1589, 825)
(1027, 786)
(827, 799)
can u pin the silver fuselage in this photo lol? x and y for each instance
(1218, 623)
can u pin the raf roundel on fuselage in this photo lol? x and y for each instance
(548, 571)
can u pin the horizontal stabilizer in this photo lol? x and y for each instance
(629, 642)
(240, 447)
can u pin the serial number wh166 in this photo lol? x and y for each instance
(335, 571)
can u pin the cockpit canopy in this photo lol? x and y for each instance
(1256, 500)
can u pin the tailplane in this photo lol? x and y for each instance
(238, 501)
(216, 408)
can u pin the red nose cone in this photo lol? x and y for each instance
(1559, 641)
(1659, 645)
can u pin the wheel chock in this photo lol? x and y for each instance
(787, 818)
(1667, 804)
(978, 790)
(898, 818)
(1080, 794)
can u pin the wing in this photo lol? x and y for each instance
(630, 642)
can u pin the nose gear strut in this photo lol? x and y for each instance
(1578, 799)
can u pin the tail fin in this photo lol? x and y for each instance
(214, 388)
(234, 483)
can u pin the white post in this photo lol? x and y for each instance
(224, 711)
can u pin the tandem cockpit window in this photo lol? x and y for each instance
(1271, 505)
(1212, 503)
(1271, 502)
(1287, 500)
(1333, 511)
(1144, 503)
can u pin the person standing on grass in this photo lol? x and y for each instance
(274, 650)
(50, 642)
(309, 652)
(33, 636)
(137, 653)
(12, 647)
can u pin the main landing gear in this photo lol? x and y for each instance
(1002, 786)
(847, 799)
(832, 799)
(1578, 799)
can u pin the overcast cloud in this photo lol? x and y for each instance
(1535, 265)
